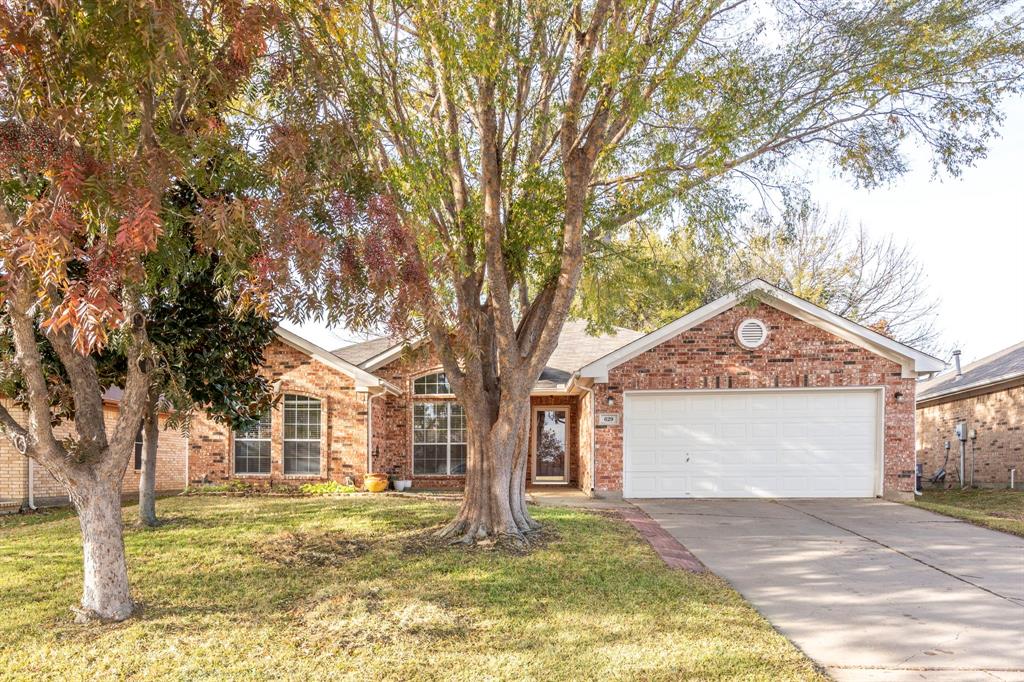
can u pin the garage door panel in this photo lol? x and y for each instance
(644, 485)
(751, 444)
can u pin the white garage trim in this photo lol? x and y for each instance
(878, 457)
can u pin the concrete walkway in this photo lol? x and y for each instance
(871, 590)
(569, 496)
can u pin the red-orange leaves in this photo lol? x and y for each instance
(140, 227)
(89, 312)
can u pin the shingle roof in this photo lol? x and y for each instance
(358, 353)
(1001, 366)
(575, 349)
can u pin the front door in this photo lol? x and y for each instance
(550, 445)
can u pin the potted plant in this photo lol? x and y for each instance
(376, 483)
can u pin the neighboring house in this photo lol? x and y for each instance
(23, 483)
(988, 396)
(757, 394)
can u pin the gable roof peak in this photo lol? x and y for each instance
(913, 361)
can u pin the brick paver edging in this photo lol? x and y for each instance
(671, 551)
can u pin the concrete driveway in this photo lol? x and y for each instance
(870, 590)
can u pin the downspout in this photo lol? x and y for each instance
(188, 456)
(31, 484)
(369, 431)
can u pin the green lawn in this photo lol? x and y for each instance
(998, 509)
(255, 588)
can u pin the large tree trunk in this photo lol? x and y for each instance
(147, 477)
(105, 593)
(494, 502)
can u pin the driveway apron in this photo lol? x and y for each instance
(870, 590)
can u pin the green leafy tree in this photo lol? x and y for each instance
(507, 141)
(648, 278)
(644, 279)
(209, 356)
(102, 107)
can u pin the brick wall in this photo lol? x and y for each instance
(343, 425)
(998, 419)
(392, 419)
(170, 470)
(796, 355)
(392, 422)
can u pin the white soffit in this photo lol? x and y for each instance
(365, 381)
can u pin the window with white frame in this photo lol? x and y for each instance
(301, 435)
(439, 439)
(252, 447)
(431, 384)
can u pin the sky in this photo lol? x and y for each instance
(967, 232)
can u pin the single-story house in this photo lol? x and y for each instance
(987, 397)
(757, 394)
(24, 484)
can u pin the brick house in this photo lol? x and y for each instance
(757, 394)
(987, 396)
(24, 484)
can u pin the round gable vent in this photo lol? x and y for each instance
(751, 333)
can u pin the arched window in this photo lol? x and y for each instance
(438, 429)
(432, 384)
(301, 435)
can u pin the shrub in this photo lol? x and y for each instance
(218, 488)
(327, 488)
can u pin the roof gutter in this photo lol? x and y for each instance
(31, 483)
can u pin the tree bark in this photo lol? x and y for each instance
(494, 501)
(147, 477)
(106, 593)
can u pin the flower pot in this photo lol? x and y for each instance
(376, 483)
(402, 485)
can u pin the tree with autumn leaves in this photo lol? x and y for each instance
(508, 141)
(103, 108)
(444, 169)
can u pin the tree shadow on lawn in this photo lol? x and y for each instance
(592, 591)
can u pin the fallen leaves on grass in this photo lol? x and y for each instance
(310, 549)
(366, 616)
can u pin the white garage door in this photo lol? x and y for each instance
(751, 444)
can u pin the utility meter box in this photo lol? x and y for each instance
(961, 431)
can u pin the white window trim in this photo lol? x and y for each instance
(269, 440)
(416, 396)
(567, 466)
(448, 426)
(319, 441)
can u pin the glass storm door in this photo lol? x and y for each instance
(550, 457)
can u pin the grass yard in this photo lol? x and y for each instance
(353, 588)
(998, 509)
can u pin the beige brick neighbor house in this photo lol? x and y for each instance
(987, 397)
(757, 394)
(24, 484)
